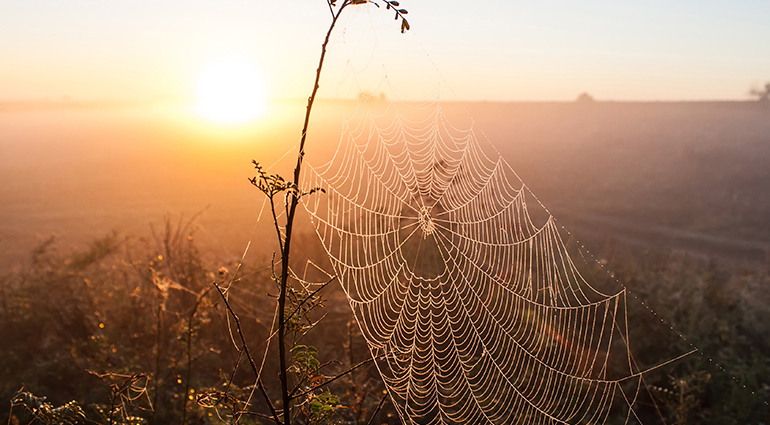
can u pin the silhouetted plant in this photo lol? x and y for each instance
(272, 185)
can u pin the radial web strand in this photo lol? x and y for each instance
(474, 309)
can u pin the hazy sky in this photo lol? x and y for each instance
(491, 50)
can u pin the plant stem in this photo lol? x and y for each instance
(336, 377)
(158, 342)
(379, 406)
(293, 202)
(244, 348)
(190, 333)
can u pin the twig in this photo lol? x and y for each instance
(232, 377)
(336, 377)
(302, 380)
(310, 328)
(190, 333)
(245, 348)
(293, 201)
(262, 389)
(249, 412)
(379, 406)
(308, 298)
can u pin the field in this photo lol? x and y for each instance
(673, 196)
(668, 175)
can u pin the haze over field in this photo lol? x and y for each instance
(635, 171)
(169, 102)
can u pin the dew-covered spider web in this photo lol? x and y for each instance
(471, 305)
(476, 306)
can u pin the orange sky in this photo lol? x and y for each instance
(502, 50)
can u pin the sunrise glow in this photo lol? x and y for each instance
(230, 92)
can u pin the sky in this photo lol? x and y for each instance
(492, 50)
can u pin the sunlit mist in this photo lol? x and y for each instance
(230, 92)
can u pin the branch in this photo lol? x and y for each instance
(307, 298)
(277, 227)
(311, 327)
(315, 387)
(379, 406)
(293, 195)
(245, 348)
(232, 377)
(302, 381)
(262, 389)
(250, 413)
(292, 201)
(393, 4)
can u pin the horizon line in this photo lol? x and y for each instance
(9, 105)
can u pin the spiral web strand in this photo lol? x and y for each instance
(474, 310)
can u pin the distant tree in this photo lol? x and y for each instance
(763, 95)
(584, 98)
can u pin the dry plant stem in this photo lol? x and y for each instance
(305, 376)
(310, 328)
(245, 349)
(158, 342)
(257, 414)
(379, 406)
(306, 299)
(190, 332)
(286, 245)
(232, 377)
(262, 390)
(110, 419)
(336, 377)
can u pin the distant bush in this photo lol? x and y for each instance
(584, 98)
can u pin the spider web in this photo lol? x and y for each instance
(473, 308)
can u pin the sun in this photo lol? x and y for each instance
(230, 91)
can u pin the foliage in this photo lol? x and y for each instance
(321, 408)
